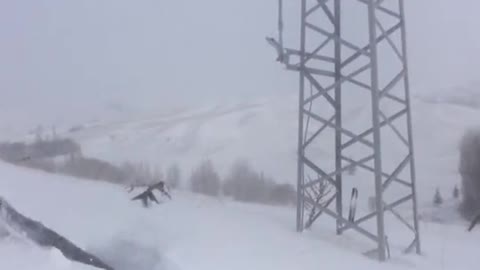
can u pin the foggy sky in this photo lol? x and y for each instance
(62, 58)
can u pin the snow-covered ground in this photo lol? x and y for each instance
(195, 232)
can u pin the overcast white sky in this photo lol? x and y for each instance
(58, 56)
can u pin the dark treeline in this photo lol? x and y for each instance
(64, 156)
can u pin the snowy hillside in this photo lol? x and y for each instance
(194, 232)
(264, 132)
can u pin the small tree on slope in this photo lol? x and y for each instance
(437, 199)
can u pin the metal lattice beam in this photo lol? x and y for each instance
(328, 69)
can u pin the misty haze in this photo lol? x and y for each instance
(278, 134)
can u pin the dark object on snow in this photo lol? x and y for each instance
(474, 223)
(148, 194)
(46, 237)
(353, 205)
(145, 197)
(456, 192)
(387, 247)
(437, 198)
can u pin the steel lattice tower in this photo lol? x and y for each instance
(362, 71)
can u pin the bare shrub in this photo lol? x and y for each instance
(321, 194)
(282, 194)
(13, 152)
(94, 169)
(52, 148)
(46, 165)
(205, 180)
(42, 152)
(40, 149)
(244, 184)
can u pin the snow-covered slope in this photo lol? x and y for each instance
(264, 132)
(194, 232)
(257, 131)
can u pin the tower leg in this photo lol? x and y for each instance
(338, 114)
(300, 149)
(376, 129)
(409, 126)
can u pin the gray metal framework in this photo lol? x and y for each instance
(335, 67)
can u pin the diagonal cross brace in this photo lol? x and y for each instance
(396, 172)
(402, 220)
(373, 214)
(383, 9)
(380, 38)
(368, 168)
(343, 79)
(320, 89)
(370, 130)
(342, 130)
(319, 171)
(334, 173)
(337, 39)
(312, 219)
(354, 226)
(322, 128)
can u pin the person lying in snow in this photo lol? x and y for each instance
(148, 194)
